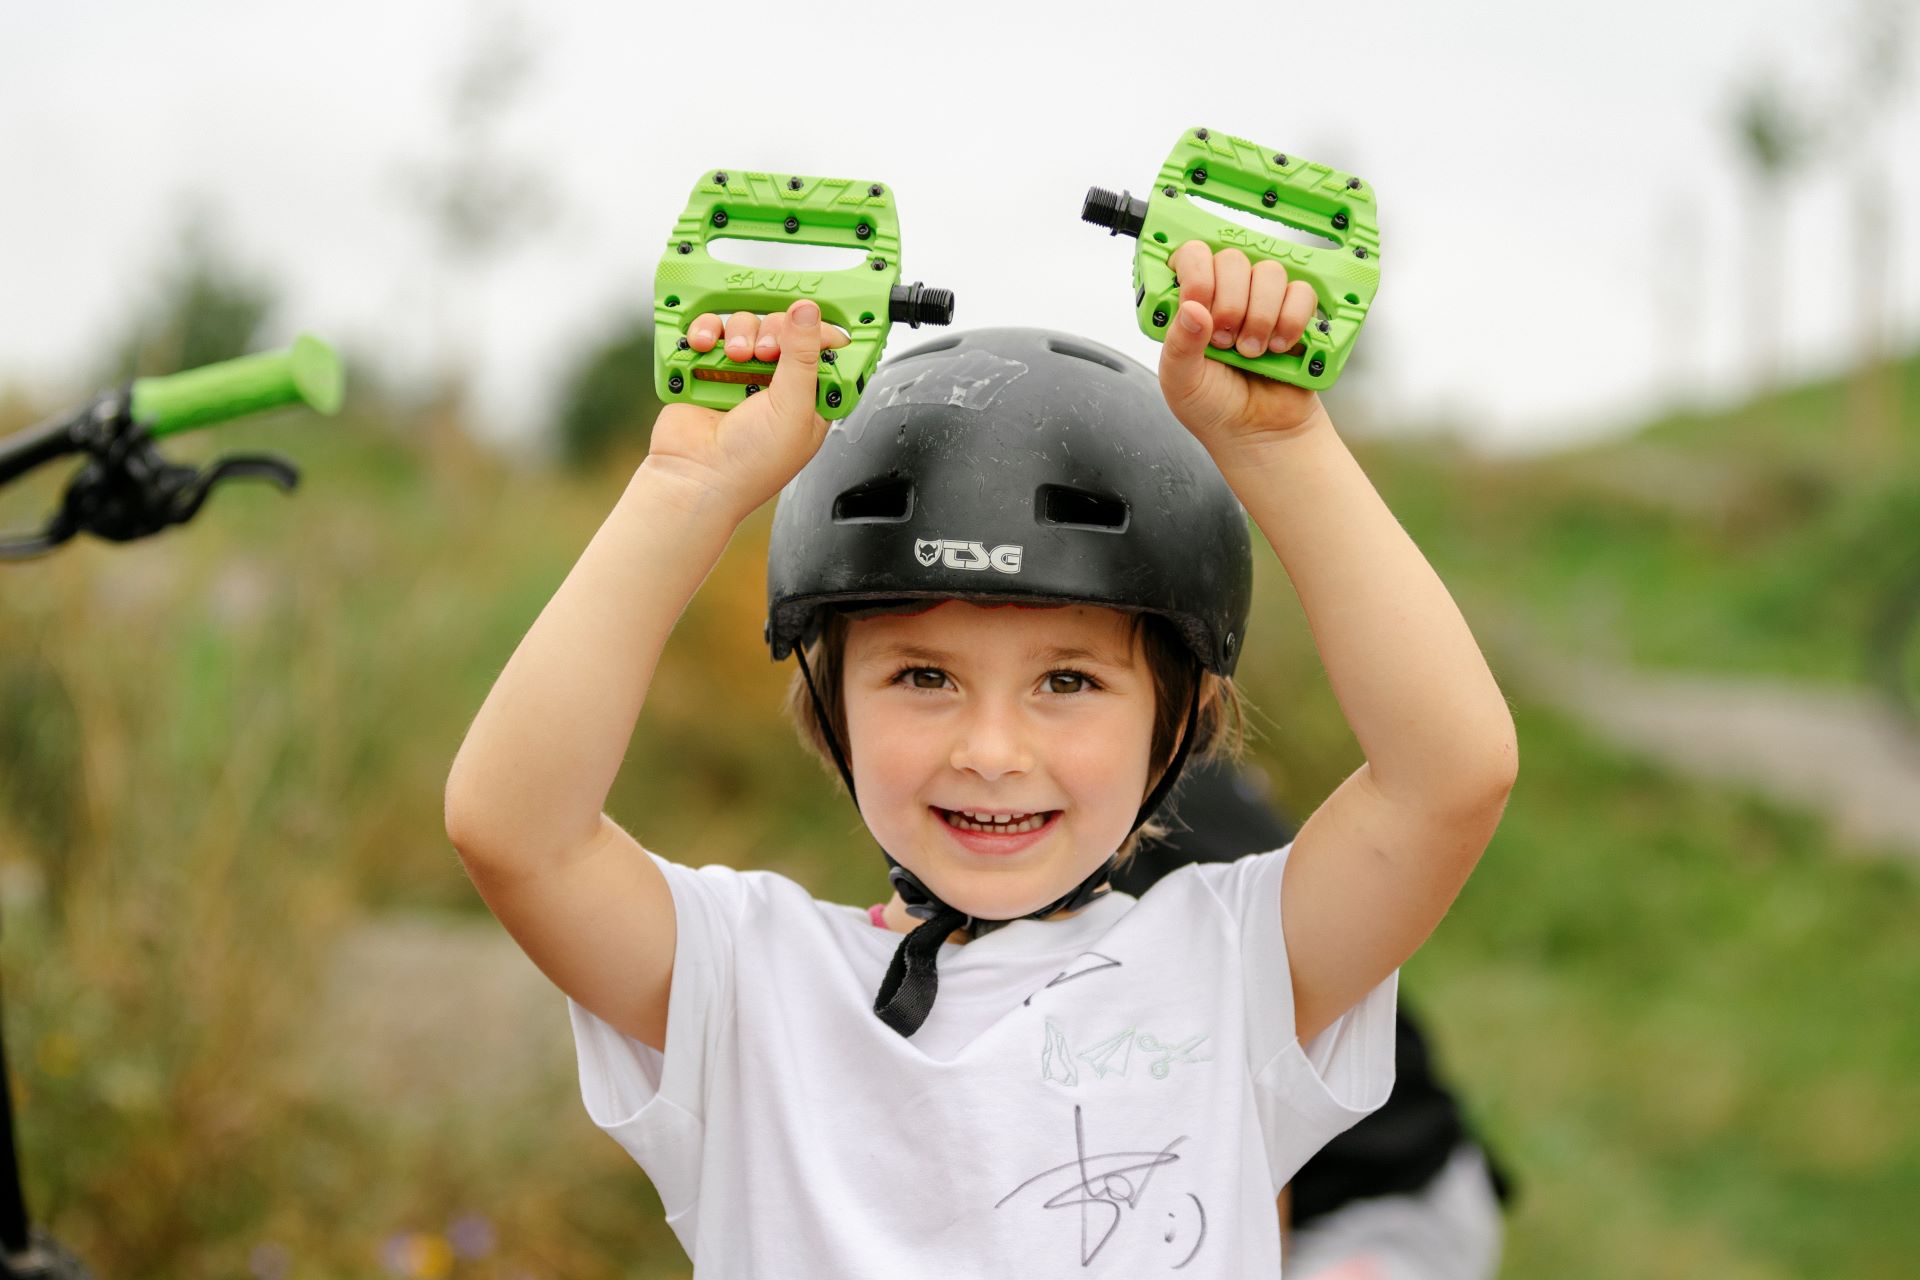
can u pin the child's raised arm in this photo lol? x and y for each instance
(1379, 862)
(524, 798)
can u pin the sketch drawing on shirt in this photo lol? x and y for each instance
(1107, 1181)
(1068, 975)
(1056, 1058)
(1171, 1053)
(1113, 1055)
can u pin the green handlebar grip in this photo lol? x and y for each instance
(1270, 184)
(784, 209)
(307, 373)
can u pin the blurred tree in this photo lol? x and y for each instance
(608, 398)
(1880, 65)
(203, 308)
(479, 201)
(1776, 138)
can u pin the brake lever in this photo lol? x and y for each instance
(126, 489)
(137, 492)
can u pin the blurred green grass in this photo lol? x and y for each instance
(1756, 540)
(1682, 1013)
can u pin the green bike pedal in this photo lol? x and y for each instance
(865, 300)
(1275, 185)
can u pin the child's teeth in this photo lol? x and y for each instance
(969, 820)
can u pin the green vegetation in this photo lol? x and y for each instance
(1760, 539)
(609, 396)
(1682, 1013)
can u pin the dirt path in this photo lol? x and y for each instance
(1836, 752)
(443, 1012)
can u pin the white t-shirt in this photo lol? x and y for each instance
(1117, 1093)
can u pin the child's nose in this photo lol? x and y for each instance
(992, 742)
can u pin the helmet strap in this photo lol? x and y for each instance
(826, 725)
(1179, 761)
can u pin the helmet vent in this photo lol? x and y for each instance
(1059, 347)
(928, 348)
(1080, 509)
(888, 500)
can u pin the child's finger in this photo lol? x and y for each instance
(1232, 274)
(796, 379)
(704, 331)
(1263, 307)
(1296, 313)
(772, 326)
(742, 328)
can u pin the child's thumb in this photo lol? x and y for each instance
(1183, 352)
(796, 378)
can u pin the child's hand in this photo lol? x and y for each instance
(1258, 310)
(747, 454)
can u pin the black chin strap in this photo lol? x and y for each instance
(907, 992)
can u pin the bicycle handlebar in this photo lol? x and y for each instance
(126, 489)
(308, 372)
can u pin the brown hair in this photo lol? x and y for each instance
(1219, 727)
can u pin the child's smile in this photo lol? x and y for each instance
(998, 833)
(1000, 754)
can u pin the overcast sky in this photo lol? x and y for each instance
(1560, 200)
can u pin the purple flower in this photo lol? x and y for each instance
(471, 1236)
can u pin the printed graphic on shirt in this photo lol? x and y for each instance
(1113, 1055)
(1105, 1186)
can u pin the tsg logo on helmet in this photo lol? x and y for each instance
(960, 554)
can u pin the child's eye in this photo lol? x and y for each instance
(1078, 682)
(921, 677)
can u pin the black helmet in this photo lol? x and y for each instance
(1016, 465)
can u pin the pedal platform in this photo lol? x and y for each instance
(1271, 184)
(865, 300)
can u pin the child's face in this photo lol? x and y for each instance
(1003, 711)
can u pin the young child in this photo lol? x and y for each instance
(1042, 1075)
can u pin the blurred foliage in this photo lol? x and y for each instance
(1760, 539)
(1672, 1009)
(206, 307)
(608, 398)
(479, 200)
(1774, 134)
(479, 197)
(1678, 1010)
